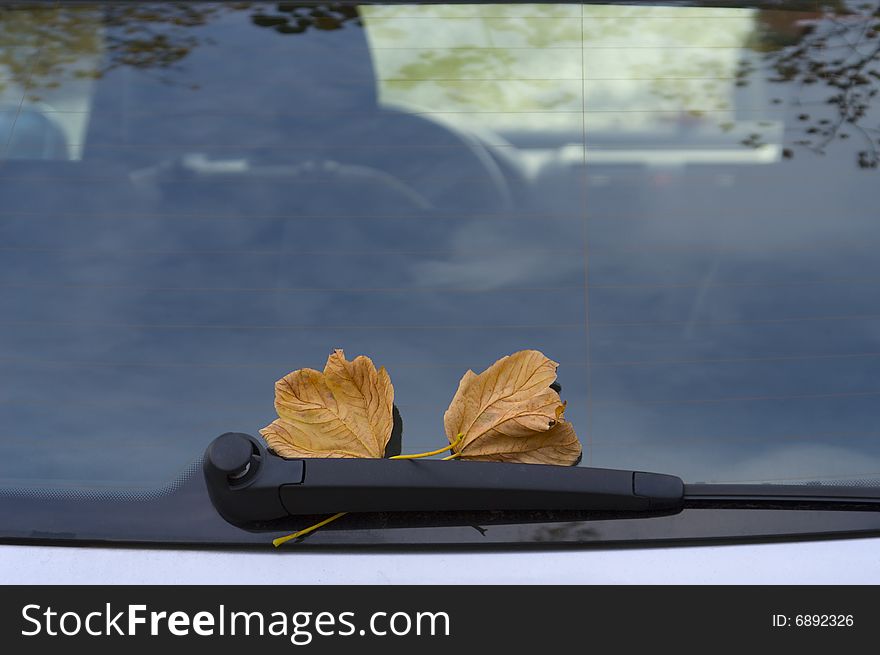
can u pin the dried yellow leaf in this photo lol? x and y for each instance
(559, 445)
(509, 413)
(346, 411)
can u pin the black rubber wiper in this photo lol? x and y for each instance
(808, 496)
(248, 484)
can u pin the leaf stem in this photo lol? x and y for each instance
(432, 452)
(302, 533)
(452, 456)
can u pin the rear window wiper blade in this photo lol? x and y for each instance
(247, 484)
(806, 496)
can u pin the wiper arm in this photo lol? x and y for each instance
(248, 484)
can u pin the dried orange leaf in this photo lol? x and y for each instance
(509, 413)
(559, 445)
(346, 411)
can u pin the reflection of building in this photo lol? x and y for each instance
(631, 80)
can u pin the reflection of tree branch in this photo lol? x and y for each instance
(868, 159)
(148, 36)
(854, 86)
(70, 42)
(298, 17)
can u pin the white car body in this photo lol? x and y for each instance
(834, 561)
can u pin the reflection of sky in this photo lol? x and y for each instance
(149, 305)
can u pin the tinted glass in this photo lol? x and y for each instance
(678, 204)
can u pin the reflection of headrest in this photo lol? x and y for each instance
(34, 136)
(235, 72)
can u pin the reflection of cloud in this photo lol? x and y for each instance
(494, 254)
(800, 464)
(495, 271)
(714, 453)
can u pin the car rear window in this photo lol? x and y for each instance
(676, 203)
